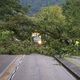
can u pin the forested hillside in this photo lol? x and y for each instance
(36, 5)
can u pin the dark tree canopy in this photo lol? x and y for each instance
(10, 8)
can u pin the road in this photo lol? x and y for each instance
(5, 60)
(39, 67)
(75, 60)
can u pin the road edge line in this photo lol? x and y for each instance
(8, 67)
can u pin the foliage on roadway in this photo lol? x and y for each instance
(59, 26)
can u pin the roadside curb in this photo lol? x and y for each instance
(73, 69)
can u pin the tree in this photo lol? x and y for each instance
(10, 8)
(72, 12)
(52, 20)
(21, 25)
(13, 25)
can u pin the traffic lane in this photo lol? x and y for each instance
(39, 67)
(5, 60)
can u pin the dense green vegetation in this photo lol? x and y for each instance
(58, 25)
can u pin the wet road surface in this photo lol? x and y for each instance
(39, 67)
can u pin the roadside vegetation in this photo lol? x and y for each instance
(58, 25)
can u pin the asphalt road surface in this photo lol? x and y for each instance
(39, 67)
(74, 60)
(5, 60)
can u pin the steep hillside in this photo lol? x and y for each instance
(36, 5)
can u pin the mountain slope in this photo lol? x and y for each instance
(36, 5)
